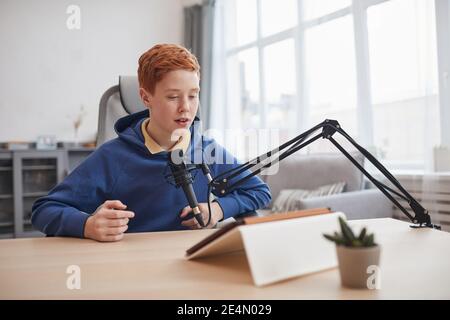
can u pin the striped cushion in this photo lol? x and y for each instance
(290, 199)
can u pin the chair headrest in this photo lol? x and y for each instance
(129, 94)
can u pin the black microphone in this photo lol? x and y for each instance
(206, 172)
(183, 178)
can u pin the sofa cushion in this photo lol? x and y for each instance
(312, 171)
(290, 199)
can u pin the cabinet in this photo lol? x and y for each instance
(26, 175)
(6, 196)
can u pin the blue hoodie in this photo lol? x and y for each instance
(124, 169)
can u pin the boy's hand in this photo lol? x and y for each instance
(216, 215)
(108, 222)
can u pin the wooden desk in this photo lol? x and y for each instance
(415, 264)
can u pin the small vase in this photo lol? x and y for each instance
(76, 142)
(354, 265)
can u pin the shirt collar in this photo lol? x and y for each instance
(154, 147)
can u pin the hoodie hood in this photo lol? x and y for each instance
(128, 129)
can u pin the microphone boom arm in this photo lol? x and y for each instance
(223, 183)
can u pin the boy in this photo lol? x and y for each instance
(122, 187)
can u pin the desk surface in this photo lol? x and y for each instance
(415, 264)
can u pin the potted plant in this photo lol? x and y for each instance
(355, 255)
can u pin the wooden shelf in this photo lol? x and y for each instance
(6, 196)
(80, 149)
(35, 194)
(6, 224)
(39, 167)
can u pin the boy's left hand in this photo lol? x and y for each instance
(216, 215)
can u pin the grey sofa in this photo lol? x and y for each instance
(312, 171)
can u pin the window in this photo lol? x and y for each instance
(276, 17)
(243, 87)
(261, 63)
(280, 86)
(330, 73)
(240, 18)
(403, 68)
(331, 78)
(370, 64)
(314, 9)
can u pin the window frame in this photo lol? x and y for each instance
(364, 107)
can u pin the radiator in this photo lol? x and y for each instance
(433, 193)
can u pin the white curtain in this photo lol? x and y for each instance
(219, 116)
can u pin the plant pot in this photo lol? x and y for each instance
(354, 265)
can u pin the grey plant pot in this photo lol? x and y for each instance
(354, 264)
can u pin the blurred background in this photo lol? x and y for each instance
(379, 67)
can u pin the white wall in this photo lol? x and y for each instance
(48, 71)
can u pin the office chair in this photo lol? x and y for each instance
(118, 101)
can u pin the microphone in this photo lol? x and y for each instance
(206, 172)
(183, 178)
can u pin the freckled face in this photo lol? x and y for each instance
(174, 103)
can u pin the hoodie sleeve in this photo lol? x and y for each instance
(64, 211)
(251, 195)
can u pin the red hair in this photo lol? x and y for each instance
(160, 60)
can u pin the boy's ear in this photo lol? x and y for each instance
(145, 97)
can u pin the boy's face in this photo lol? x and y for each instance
(174, 102)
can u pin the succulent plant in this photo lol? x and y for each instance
(347, 238)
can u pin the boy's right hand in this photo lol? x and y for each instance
(108, 222)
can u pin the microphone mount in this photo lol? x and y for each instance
(226, 181)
